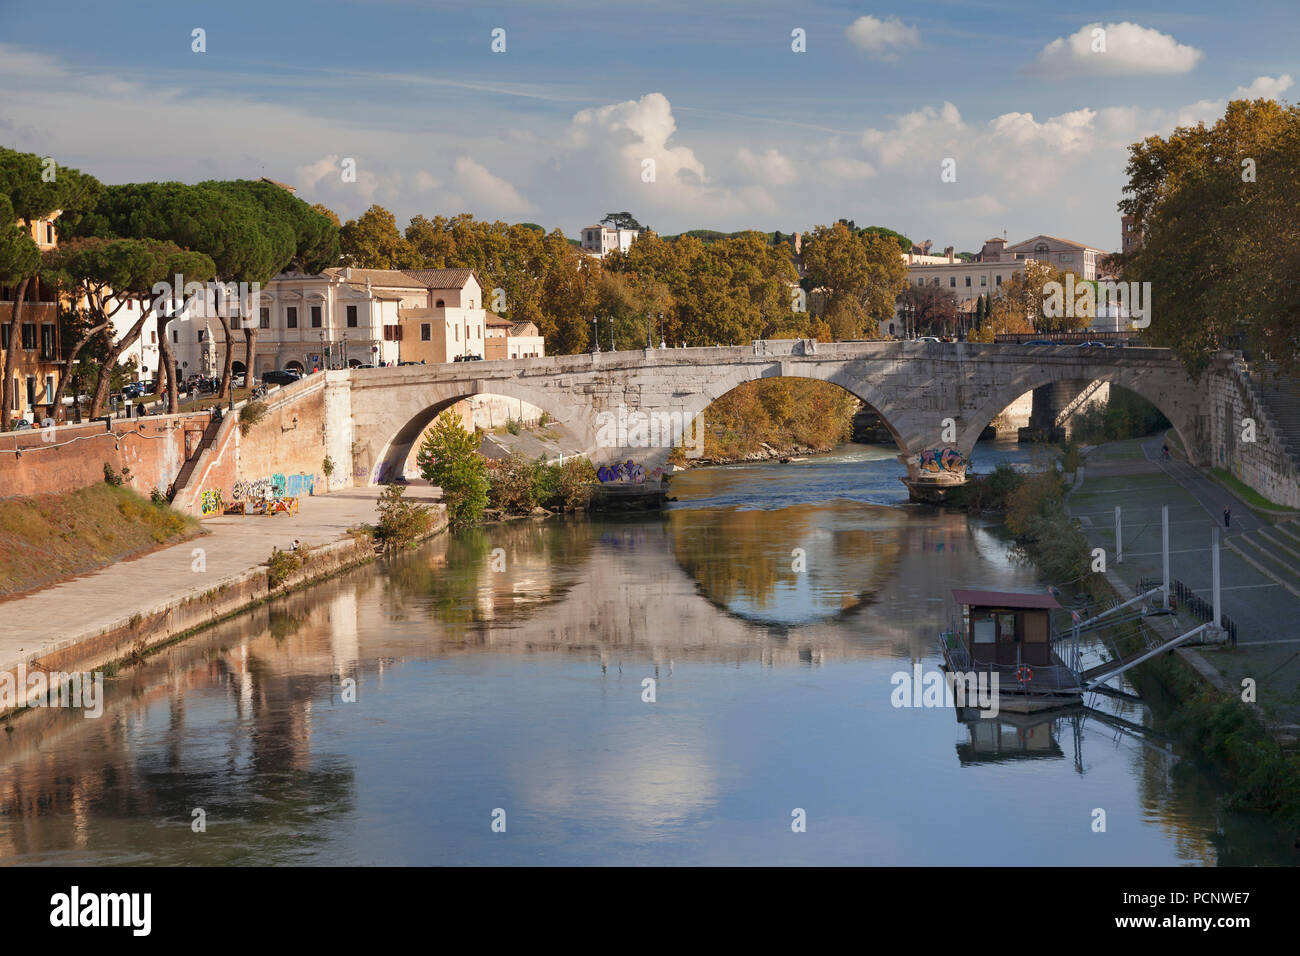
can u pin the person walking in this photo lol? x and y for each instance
(1227, 517)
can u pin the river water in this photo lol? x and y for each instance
(394, 713)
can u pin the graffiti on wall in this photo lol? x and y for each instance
(934, 461)
(274, 486)
(210, 502)
(628, 472)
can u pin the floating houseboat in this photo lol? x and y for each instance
(1010, 634)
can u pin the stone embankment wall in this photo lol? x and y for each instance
(151, 626)
(67, 457)
(1263, 463)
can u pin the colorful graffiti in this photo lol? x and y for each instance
(275, 486)
(628, 472)
(210, 504)
(934, 461)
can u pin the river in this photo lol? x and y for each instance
(395, 713)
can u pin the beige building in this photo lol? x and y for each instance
(38, 350)
(995, 264)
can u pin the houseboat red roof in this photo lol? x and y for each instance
(1004, 598)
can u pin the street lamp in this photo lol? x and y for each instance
(595, 339)
(611, 334)
(661, 331)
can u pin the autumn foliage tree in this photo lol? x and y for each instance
(1218, 212)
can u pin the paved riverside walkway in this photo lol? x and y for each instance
(92, 602)
(1260, 579)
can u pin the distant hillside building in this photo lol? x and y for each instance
(600, 240)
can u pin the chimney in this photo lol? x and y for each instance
(950, 253)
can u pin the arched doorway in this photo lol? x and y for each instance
(294, 366)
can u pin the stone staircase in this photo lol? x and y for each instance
(1279, 395)
(1273, 550)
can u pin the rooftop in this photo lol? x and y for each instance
(1023, 599)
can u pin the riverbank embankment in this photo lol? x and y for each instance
(120, 612)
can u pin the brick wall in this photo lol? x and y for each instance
(69, 457)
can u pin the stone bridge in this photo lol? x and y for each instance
(934, 398)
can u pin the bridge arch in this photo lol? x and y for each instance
(395, 419)
(1168, 391)
(844, 375)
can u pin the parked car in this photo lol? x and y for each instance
(468, 358)
(237, 381)
(929, 338)
(280, 377)
(1041, 342)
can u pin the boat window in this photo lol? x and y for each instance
(1007, 628)
(985, 631)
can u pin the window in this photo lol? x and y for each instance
(458, 333)
(392, 333)
(984, 280)
(999, 280)
(29, 335)
(441, 304)
(264, 319)
(31, 390)
(426, 332)
(49, 233)
(968, 282)
(315, 316)
(153, 338)
(952, 282)
(49, 388)
(291, 317)
(234, 323)
(130, 305)
(352, 316)
(1067, 257)
(985, 631)
(47, 341)
(176, 336)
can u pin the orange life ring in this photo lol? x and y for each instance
(1023, 673)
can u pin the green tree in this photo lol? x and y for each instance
(449, 458)
(1216, 207)
(31, 191)
(106, 275)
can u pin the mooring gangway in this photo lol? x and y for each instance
(1093, 677)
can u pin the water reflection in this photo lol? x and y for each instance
(382, 715)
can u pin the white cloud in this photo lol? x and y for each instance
(770, 167)
(846, 167)
(1128, 49)
(489, 190)
(1264, 87)
(882, 39)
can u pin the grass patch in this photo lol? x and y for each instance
(49, 538)
(1245, 492)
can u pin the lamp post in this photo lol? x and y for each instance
(661, 331)
(595, 339)
(611, 334)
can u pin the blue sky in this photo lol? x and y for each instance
(743, 131)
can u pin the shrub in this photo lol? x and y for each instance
(449, 458)
(545, 419)
(513, 486)
(401, 522)
(250, 415)
(327, 466)
(112, 477)
(513, 426)
(576, 484)
(158, 498)
(282, 565)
